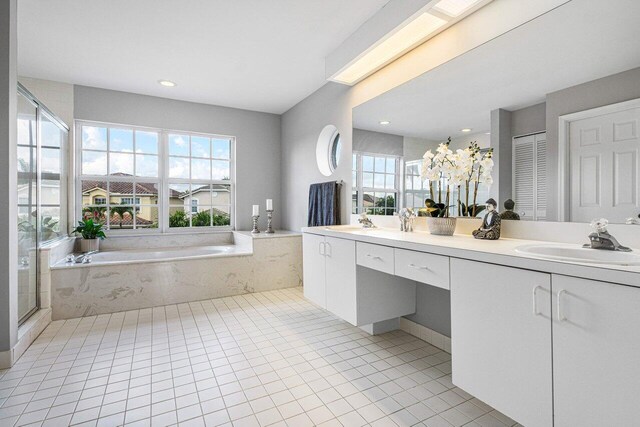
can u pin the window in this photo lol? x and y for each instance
(138, 178)
(375, 184)
(199, 180)
(415, 190)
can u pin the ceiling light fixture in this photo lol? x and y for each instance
(455, 8)
(466, 130)
(385, 122)
(167, 83)
(390, 48)
(423, 25)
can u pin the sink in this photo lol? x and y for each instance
(575, 253)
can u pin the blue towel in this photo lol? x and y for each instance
(324, 204)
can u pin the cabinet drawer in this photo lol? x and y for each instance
(426, 268)
(376, 257)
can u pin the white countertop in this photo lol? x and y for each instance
(502, 252)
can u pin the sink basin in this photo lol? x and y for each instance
(575, 253)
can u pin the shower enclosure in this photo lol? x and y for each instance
(42, 187)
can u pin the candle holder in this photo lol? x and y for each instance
(269, 219)
(255, 224)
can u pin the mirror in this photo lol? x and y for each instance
(554, 102)
(328, 150)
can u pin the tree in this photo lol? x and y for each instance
(120, 211)
(178, 219)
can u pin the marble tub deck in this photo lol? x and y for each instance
(257, 263)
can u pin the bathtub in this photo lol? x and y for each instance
(134, 256)
(172, 270)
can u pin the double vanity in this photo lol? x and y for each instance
(547, 333)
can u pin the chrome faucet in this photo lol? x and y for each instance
(601, 239)
(84, 258)
(365, 221)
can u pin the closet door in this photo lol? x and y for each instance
(530, 176)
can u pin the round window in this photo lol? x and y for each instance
(328, 150)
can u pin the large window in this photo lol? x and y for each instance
(138, 178)
(416, 191)
(375, 184)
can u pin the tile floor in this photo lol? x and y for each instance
(260, 359)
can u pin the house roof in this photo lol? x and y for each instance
(125, 188)
(215, 187)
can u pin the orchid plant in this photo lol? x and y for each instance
(446, 170)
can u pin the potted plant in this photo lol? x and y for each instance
(445, 170)
(91, 233)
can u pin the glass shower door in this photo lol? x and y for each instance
(42, 188)
(27, 134)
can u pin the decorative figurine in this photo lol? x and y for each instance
(407, 216)
(509, 213)
(490, 228)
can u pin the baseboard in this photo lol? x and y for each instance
(434, 338)
(27, 334)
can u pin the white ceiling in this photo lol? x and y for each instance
(580, 41)
(252, 54)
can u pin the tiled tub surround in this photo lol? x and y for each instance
(263, 359)
(175, 269)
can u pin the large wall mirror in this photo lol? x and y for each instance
(555, 103)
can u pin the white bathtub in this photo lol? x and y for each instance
(146, 255)
(133, 273)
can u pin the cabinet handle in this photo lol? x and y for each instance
(561, 316)
(327, 252)
(322, 249)
(535, 302)
(374, 257)
(419, 267)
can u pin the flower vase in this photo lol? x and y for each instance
(445, 226)
(89, 245)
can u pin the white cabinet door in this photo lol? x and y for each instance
(341, 278)
(596, 353)
(313, 259)
(501, 339)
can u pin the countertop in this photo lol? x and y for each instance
(501, 252)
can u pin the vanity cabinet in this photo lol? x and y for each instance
(596, 353)
(313, 262)
(330, 274)
(501, 338)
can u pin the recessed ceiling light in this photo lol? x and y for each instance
(488, 133)
(167, 83)
(384, 122)
(466, 130)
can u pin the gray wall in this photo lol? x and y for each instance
(597, 93)
(377, 142)
(8, 179)
(433, 308)
(257, 138)
(528, 120)
(301, 126)
(502, 147)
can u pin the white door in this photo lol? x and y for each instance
(313, 265)
(596, 353)
(341, 278)
(603, 156)
(501, 338)
(529, 180)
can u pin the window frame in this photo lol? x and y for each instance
(360, 189)
(162, 180)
